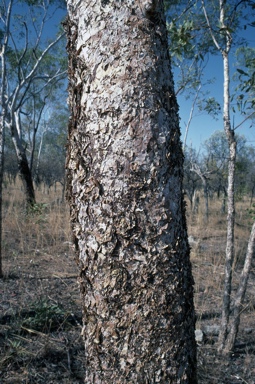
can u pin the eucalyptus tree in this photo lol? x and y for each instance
(223, 20)
(190, 52)
(124, 175)
(222, 39)
(213, 27)
(28, 69)
(3, 89)
(24, 50)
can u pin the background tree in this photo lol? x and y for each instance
(125, 192)
(213, 27)
(3, 89)
(191, 181)
(51, 153)
(26, 71)
(227, 20)
(30, 71)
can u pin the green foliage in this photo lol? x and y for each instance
(45, 316)
(210, 106)
(245, 75)
(38, 211)
(181, 39)
(191, 46)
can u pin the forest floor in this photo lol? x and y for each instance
(40, 306)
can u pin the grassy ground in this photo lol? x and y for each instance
(40, 307)
(208, 258)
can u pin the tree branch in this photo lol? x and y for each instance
(246, 118)
(29, 77)
(210, 28)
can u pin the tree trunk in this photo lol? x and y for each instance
(230, 134)
(206, 200)
(2, 133)
(3, 88)
(124, 179)
(223, 202)
(252, 194)
(26, 177)
(239, 298)
(24, 169)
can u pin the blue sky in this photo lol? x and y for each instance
(202, 125)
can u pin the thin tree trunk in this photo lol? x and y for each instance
(223, 203)
(190, 117)
(230, 341)
(26, 177)
(230, 135)
(36, 123)
(37, 177)
(195, 202)
(252, 194)
(3, 117)
(195, 168)
(231, 209)
(206, 200)
(24, 169)
(2, 133)
(124, 178)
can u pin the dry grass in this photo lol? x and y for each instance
(208, 258)
(40, 307)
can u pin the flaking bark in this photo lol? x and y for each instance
(124, 175)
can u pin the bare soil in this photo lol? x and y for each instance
(40, 306)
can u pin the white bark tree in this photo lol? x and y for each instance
(223, 41)
(24, 71)
(3, 89)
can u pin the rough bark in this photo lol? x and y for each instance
(124, 176)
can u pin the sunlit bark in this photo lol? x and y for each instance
(124, 175)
